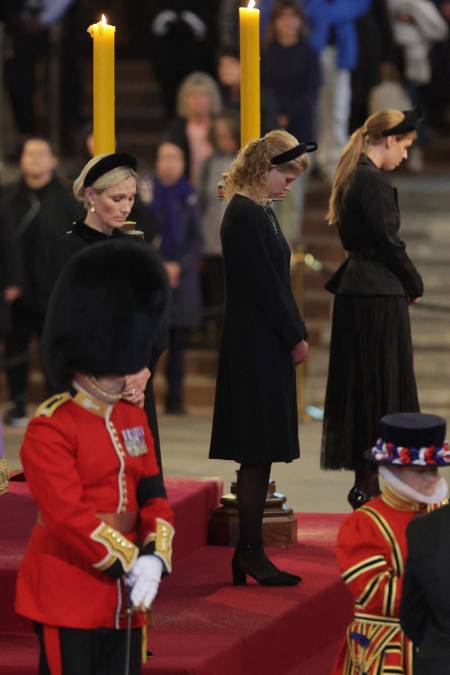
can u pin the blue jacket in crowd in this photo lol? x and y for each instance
(323, 16)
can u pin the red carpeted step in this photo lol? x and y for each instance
(202, 625)
(249, 630)
(193, 500)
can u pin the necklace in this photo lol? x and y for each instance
(268, 212)
(104, 395)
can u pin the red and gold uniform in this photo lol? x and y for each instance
(92, 471)
(371, 552)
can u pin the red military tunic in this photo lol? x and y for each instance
(92, 471)
(371, 552)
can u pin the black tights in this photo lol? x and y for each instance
(252, 484)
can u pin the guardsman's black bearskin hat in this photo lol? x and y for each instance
(105, 312)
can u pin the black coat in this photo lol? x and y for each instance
(375, 46)
(292, 75)
(76, 239)
(38, 219)
(255, 414)
(10, 269)
(425, 607)
(377, 262)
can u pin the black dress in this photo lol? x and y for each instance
(76, 239)
(255, 413)
(371, 370)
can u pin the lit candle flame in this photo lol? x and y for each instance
(104, 20)
(251, 4)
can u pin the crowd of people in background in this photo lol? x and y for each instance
(325, 65)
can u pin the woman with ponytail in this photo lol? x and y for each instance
(264, 338)
(371, 358)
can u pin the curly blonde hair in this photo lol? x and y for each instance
(370, 134)
(250, 170)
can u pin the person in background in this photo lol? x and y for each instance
(11, 274)
(375, 55)
(371, 544)
(182, 37)
(416, 26)
(439, 87)
(198, 102)
(225, 139)
(104, 532)
(173, 218)
(333, 35)
(10, 290)
(27, 23)
(255, 418)
(371, 370)
(291, 72)
(37, 210)
(229, 77)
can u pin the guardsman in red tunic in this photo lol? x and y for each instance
(371, 545)
(103, 536)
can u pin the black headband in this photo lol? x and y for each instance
(408, 124)
(293, 153)
(109, 163)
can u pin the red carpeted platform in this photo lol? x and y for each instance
(202, 625)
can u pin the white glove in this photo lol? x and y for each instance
(162, 21)
(144, 577)
(195, 23)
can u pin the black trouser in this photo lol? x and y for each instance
(178, 340)
(20, 75)
(25, 324)
(92, 652)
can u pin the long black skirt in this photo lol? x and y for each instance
(370, 374)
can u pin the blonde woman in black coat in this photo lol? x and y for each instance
(264, 338)
(371, 358)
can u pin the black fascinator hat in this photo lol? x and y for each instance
(408, 124)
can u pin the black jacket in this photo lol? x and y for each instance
(377, 262)
(425, 607)
(37, 218)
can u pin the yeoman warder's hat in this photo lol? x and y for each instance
(411, 439)
(105, 311)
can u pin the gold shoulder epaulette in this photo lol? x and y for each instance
(48, 407)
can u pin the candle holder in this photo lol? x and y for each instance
(279, 522)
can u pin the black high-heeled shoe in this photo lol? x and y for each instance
(251, 560)
(357, 497)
